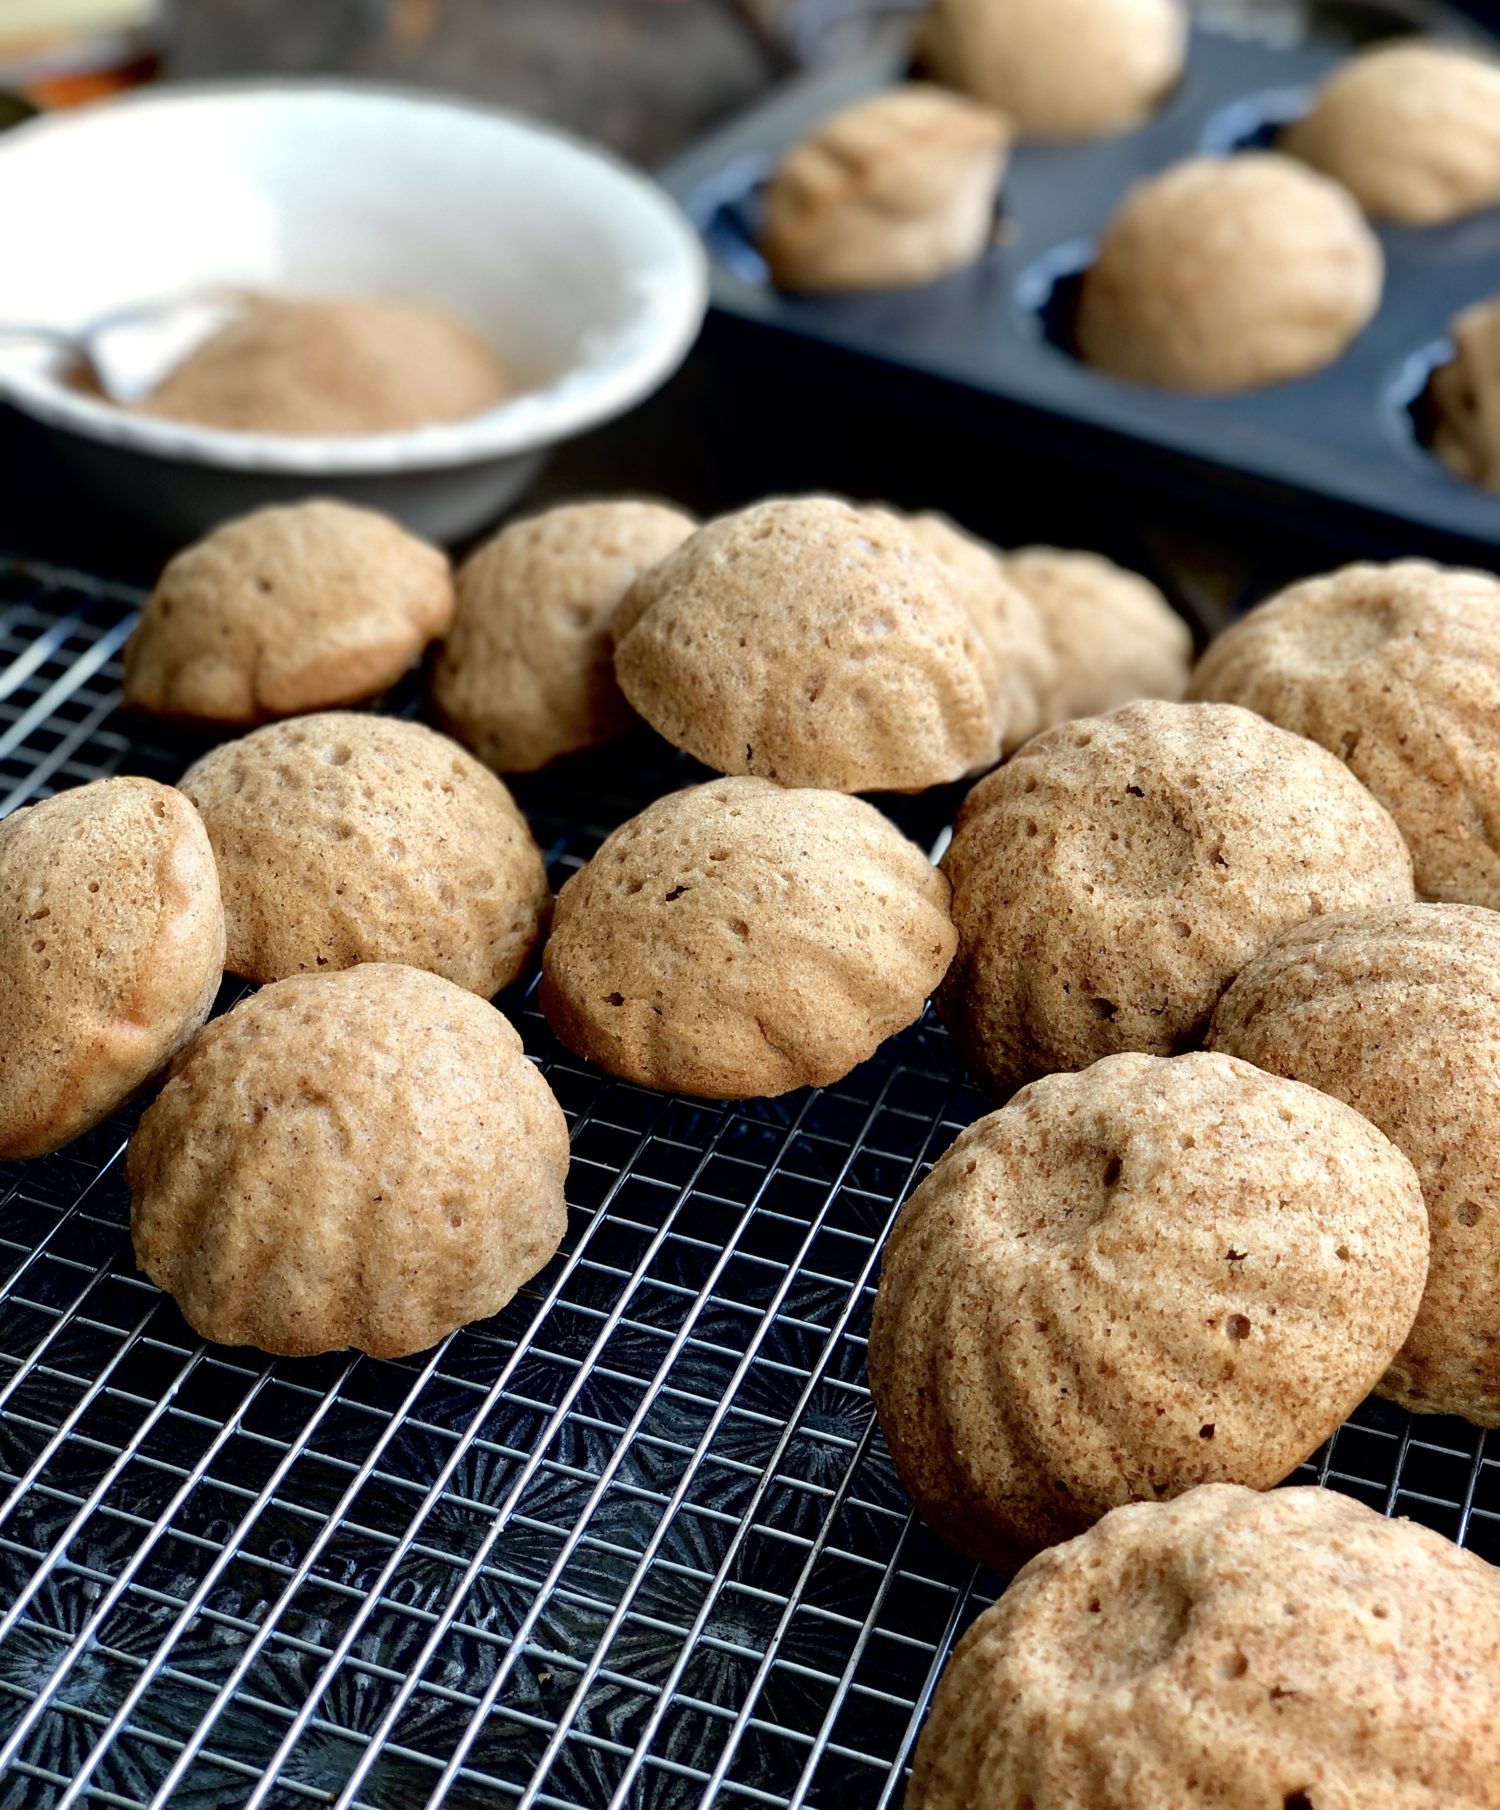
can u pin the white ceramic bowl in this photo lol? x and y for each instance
(583, 275)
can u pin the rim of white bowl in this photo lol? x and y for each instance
(585, 396)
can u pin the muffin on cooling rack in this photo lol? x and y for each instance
(1006, 617)
(1398, 1012)
(1059, 68)
(1294, 1650)
(111, 952)
(1129, 1281)
(527, 671)
(1396, 669)
(1112, 879)
(284, 611)
(1113, 636)
(897, 189)
(361, 1159)
(813, 643)
(739, 939)
(1225, 274)
(1411, 129)
(344, 838)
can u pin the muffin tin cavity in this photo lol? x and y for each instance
(1352, 437)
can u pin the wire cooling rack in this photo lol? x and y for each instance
(634, 1542)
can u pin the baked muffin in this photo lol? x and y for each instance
(1149, 1275)
(1465, 398)
(1229, 274)
(1398, 1012)
(897, 189)
(1059, 68)
(528, 670)
(364, 1158)
(1113, 636)
(1112, 880)
(738, 939)
(111, 952)
(335, 366)
(289, 609)
(809, 642)
(1411, 129)
(344, 838)
(1396, 669)
(1278, 1652)
(1007, 620)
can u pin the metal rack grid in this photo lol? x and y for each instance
(634, 1542)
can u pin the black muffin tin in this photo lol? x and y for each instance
(1342, 450)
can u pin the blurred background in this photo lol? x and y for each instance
(643, 76)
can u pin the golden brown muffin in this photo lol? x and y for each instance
(286, 610)
(111, 952)
(528, 670)
(362, 1159)
(1465, 397)
(809, 642)
(1007, 619)
(737, 939)
(1059, 68)
(1129, 1281)
(344, 838)
(1292, 1651)
(1228, 274)
(334, 365)
(1411, 129)
(1396, 669)
(1398, 1012)
(1114, 637)
(1112, 880)
(897, 189)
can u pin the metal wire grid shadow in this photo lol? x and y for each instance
(634, 1542)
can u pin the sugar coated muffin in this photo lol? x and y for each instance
(1398, 1012)
(1059, 68)
(1411, 129)
(1396, 669)
(1465, 397)
(739, 939)
(363, 1158)
(1113, 636)
(896, 189)
(1290, 1651)
(335, 366)
(111, 952)
(1225, 274)
(343, 838)
(809, 642)
(290, 609)
(527, 672)
(1008, 621)
(1112, 880)
(1153, 1274)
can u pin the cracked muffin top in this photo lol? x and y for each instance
(739, 939)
